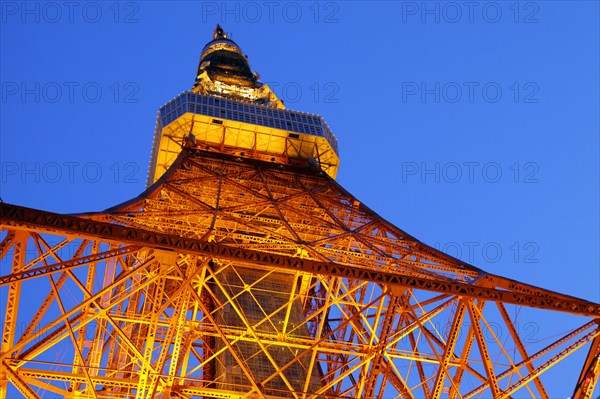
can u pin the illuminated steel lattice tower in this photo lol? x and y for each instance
(245, 271)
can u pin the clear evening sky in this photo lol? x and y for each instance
(471, 125)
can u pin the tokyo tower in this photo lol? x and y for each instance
(244, 270)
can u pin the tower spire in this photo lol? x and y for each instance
(219, 33)
(224, 71)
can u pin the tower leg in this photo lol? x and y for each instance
(590, 373)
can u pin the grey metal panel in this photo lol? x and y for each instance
(262, 115)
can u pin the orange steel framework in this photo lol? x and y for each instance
(245, 271)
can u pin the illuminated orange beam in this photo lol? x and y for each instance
(27, 218)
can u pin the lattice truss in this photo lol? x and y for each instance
(234, 278)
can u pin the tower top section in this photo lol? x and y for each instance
(231, 112)
(224, 71)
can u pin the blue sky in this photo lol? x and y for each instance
(474, 128)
